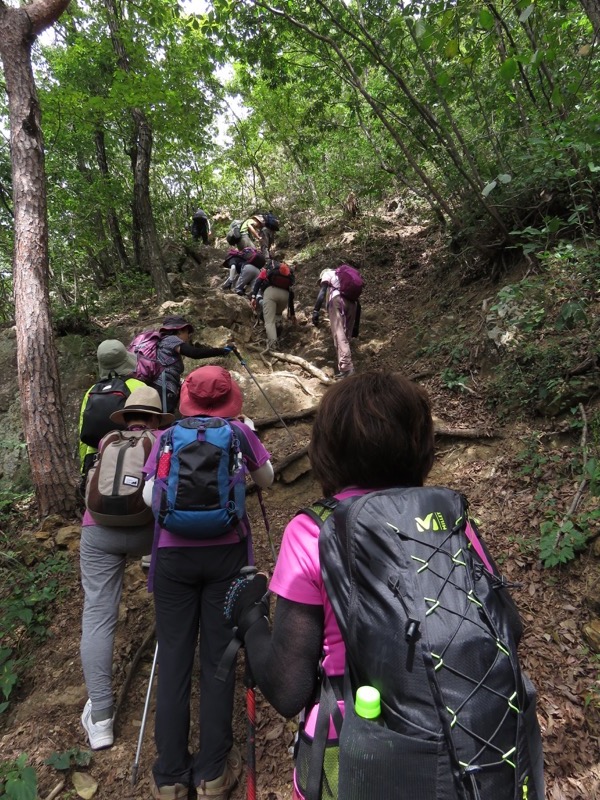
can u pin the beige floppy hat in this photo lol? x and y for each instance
(143, 400)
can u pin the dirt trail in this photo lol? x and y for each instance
(403, 299)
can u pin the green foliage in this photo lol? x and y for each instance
(562, 535)
(452, 380)
(27, 594)
(542, 330)
(69, 758)
(560, 542)
(17, 780)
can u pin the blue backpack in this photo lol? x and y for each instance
(199, 491)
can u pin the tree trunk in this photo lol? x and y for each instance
(52, 468)
(146, 246)
(143, 217)
(592, 9)
(111, 217)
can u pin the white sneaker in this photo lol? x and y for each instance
(100, 733)
(146, 561)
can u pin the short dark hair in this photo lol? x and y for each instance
(373, 430)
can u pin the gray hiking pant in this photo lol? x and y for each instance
(247, 277)
(102, 555)
(342, 314)
(246, 241)
(275, 301)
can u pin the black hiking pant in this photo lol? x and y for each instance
(190, 584)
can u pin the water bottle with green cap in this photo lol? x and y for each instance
(368, 704)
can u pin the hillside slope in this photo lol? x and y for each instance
(416, 314)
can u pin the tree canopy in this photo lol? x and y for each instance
(485, 113)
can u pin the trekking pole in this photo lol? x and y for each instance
(251, 714)
(136, 763)
(262, 391)
(266, 519)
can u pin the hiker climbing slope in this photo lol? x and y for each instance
(115, 369)
(341, 288)
(204, 539)
(173, 345)
(273, 292)
(388, 581)
(259, 231)
(108, 537)
(200, 226)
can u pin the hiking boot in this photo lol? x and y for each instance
(343, 374)
(172, 791)
(100, 734)
(221, 788)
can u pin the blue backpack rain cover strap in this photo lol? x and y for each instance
(204, 494)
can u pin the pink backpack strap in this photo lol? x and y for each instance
(474, 539)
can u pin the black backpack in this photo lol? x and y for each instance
(271, 220)
(426, 622)
(104, 397)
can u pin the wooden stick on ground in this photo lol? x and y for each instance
(278, 468)
(305, 365)
(132, 668)
(463, 433)
(56, 791)
(581, 488)
(266, 422)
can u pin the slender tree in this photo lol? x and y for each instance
(53, 471)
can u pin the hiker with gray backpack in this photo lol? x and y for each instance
(116, 525)
(393, 628)
(197, 487)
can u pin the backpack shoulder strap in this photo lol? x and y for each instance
(321, 510)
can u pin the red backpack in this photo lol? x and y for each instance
(280, 275)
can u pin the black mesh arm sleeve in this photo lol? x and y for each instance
(201, 350)
(321, 297)
(285, 662)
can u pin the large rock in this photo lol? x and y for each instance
(591, 633)
(284, 392)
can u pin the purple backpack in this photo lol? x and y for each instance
(145, 346)
(351, 282)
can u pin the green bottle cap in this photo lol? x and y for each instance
(368, 702)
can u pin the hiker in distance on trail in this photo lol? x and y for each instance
(341, 288)
(244, 267)
(200, 226)
(259, 231)
(454, 716)
(272, 294)
(196, 485)
(116, 525)
(175, 333)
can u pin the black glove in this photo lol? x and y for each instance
(247, 601)
(315, 318)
